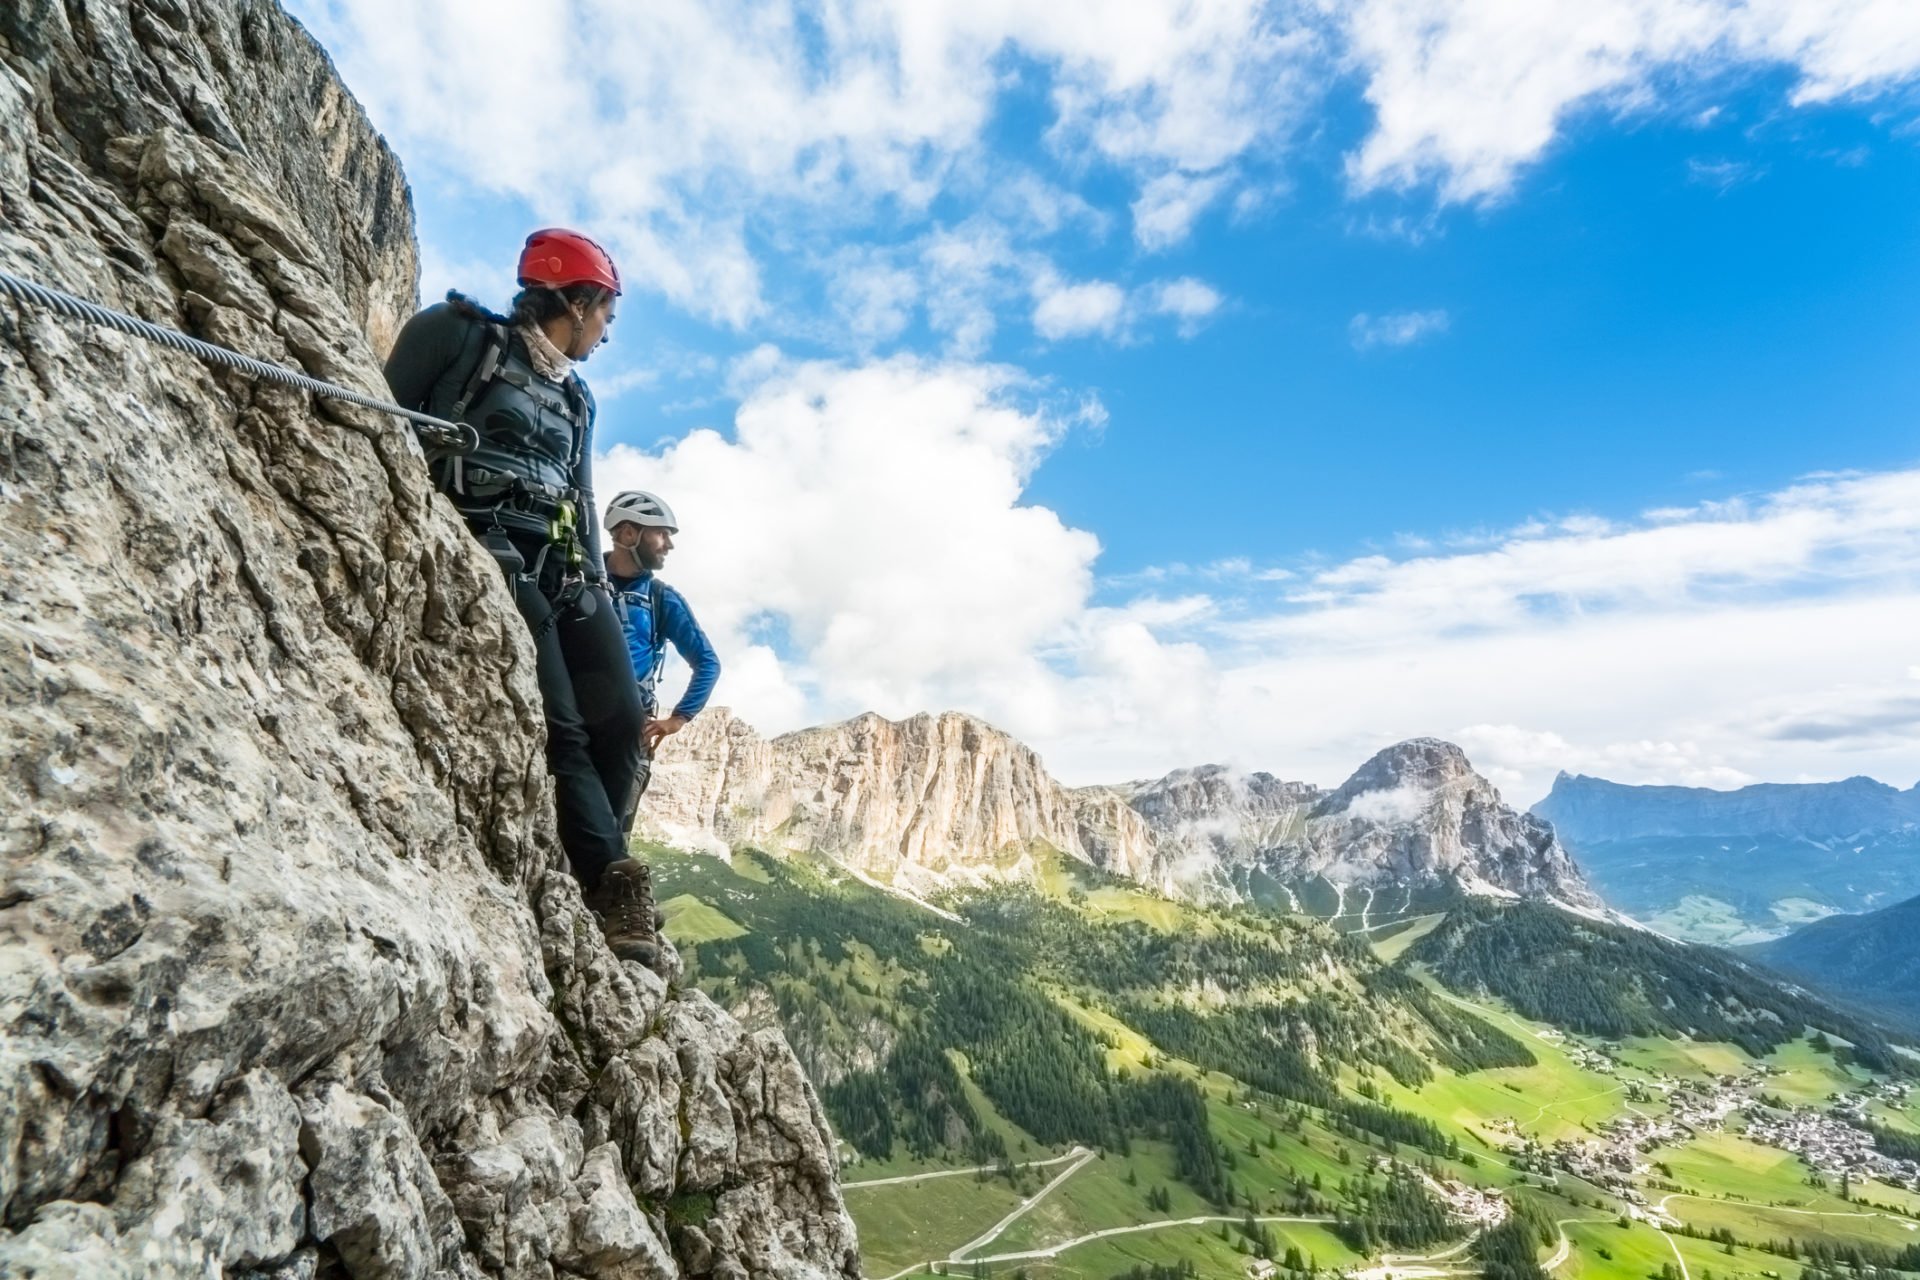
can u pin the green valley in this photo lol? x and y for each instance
(1078, 1077)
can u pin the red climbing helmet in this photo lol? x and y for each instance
(555, 258)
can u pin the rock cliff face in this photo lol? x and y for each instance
(1209, 818)
(917, 803)
(293, 983)
(944, 800)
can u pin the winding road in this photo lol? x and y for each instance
(955, 1173)
(1054, 1250)
(1661, 1207)
(1565, 1247)
(1020, 1211)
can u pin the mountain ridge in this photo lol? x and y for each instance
(1585, 807)
(1741, 866)
(941, 800)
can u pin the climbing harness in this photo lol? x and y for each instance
(563, 530)
(481, 492)
(441, 436)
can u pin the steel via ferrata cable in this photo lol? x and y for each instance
(444, 436)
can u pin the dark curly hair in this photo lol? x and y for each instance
(538, 304)
(531, 306)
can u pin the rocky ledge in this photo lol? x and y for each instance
(292, 979)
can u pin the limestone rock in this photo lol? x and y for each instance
(293, 982)
(920, 803)
(1210, 818)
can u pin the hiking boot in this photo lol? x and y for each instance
(624, 902)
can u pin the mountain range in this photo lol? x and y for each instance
(934, 802)
(1741, 866)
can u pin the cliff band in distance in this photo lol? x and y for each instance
(939, 801)
(294, 981)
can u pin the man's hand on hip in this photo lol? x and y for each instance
(653, 731)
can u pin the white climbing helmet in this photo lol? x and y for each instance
(637, 506)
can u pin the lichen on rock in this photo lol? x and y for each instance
(292, 977)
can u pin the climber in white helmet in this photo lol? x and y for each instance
(640, 528)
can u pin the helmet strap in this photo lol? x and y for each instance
(575, 313)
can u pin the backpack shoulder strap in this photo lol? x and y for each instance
(582, 401)
(493, 344)
(656, 600)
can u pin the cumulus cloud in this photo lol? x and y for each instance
(723, 145)
(1397, 329)
(1063, 310)
(1467, 92)
(1100, 308)
(1189, 301)
(1512, 755)
(871, 517)
(1168, 206)
(1392, 807)
(961, 280)
(1818, 537)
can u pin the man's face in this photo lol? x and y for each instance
(651, 547)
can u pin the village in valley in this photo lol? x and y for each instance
(1834, 1141)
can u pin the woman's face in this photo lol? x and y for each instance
(593, 328)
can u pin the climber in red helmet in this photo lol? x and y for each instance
(527, 492)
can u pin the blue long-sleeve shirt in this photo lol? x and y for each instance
(653, 615)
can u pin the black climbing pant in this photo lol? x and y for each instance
(593, 714)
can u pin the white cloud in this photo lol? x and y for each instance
(671, 126)
(1189, 301)
(1100, 308)
(1397, 329)
(1523, 754)
(1168, 205)
(1466, 92)
(489, 281)
(1063, 310)
(724, 146)
(612, 384)
(1819, 536)
(875, 299)
(875, 512)
(1389, 808)
(1724, 175)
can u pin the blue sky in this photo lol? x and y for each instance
(1243, 381)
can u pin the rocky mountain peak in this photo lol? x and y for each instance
(297, 982)
(1418, 812)
(1416, 767)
